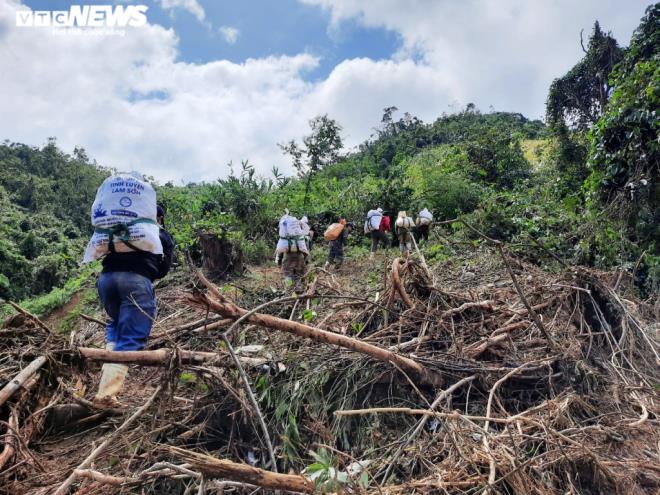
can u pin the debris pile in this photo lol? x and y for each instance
(400, 379)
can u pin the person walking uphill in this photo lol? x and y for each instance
(136, 250)
(291, 251)
(337, 235)
(377, 225)
(404, 225)
(423, 224)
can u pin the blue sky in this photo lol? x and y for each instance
(209, 82)
(266, 27)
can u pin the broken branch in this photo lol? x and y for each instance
(230, 310)
(10, 388)
(161, 357)
(221, 468)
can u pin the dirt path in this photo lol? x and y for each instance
(61, 313)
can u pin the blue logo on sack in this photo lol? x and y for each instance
(99, 211)
(125, 202)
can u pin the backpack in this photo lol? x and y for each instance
(333, 232)
(124, 218)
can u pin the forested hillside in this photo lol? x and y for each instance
(585, 185)
(45, 196)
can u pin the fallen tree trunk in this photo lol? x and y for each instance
(211, 467)
(230, 310)
(398, 284)
(10, 388)
(162, 357)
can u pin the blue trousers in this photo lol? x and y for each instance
(129, 300)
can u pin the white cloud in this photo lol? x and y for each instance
(503, 53)
(98, 92)
(191, 6)
(229, 33)
(131, 104)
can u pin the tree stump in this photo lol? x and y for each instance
(220, 257)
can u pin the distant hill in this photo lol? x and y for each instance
(45, 196)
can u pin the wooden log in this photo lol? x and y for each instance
(197, 326)
(476, 350)
(398, 284)
(10, 388)
(230, 310)
(162, 357)
(211, 467)
(212, 326)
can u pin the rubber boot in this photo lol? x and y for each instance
(112, 381)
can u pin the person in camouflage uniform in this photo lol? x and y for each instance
(336, 254)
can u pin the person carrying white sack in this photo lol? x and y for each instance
(377, 225)
(423, 224)
(136, 250)
(403, 229)
(291, 251)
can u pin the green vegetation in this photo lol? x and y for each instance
(585, 185)
(45, 197)
(624, 156)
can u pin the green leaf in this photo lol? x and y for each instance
(309, 315)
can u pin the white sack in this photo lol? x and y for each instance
(373, 221)
(122, 199)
